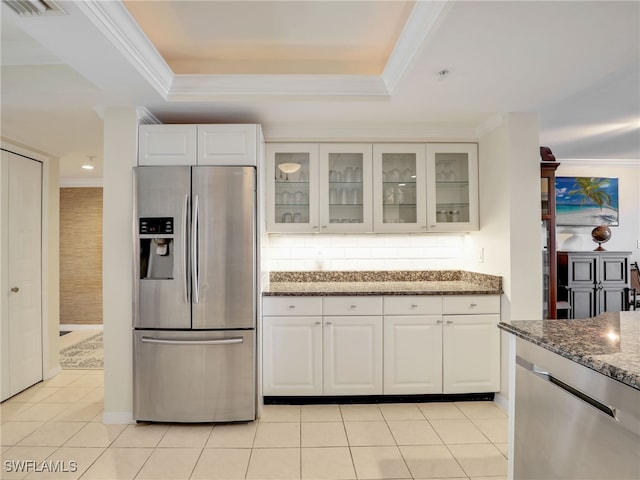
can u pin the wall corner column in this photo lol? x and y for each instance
(120, 154)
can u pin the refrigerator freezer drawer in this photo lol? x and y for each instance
(188, 376)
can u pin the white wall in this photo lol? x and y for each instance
(509, 235)
(120, 153)
(624, 237)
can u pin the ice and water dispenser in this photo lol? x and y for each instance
(156, 248)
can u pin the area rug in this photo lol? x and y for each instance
(86, 354)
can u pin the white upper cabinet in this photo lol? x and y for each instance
(345, 188)
(375, 188)
(233, 144)
(399, 188)
(292, 187)
(452, 188)
(167, 145)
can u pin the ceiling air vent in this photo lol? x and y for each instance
(34, 7)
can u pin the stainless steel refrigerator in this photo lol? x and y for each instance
(195, 295)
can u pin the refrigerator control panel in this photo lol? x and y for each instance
(155, 225)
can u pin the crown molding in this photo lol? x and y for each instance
(200, 87)
(145, 117)
(600, 162)
(119, 27)
(420, 27)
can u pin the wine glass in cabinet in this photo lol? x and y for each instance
(292, 187)
(452, 192)
(399, 188)
(345, 188)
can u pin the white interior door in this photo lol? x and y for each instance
(22, 322)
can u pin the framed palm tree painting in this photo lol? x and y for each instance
(586, 201)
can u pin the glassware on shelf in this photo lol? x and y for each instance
(348, 174)
(394, 175)
(357, 174)
(441, 216)
(407, 175)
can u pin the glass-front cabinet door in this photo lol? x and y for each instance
(452, 187)
(399, 188)
(292, 187)
(345, 188)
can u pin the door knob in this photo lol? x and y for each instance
(15, 289)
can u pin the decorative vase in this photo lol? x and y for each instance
(601, 235)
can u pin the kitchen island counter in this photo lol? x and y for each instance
(576, 398)
(608, 343)
(382, 283)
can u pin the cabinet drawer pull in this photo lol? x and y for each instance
(291, 307)
(471, 305)
(449, 321)
(329, 323)
(438, 321)
(352, 307)
(318, 323)
(413, 305)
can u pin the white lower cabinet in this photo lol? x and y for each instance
(352, 355)
(345, 346)
(471, 344)
(292, 356)
(471, 354)
(412, 354)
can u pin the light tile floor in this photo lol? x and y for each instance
(59, 420)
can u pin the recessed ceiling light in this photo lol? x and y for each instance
(89, 165)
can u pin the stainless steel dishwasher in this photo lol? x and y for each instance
(572, 422)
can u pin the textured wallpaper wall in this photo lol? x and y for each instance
(81, 255)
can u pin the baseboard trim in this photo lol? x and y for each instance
(53, 372)
(117, 418)
(64, 327)
(502, 402)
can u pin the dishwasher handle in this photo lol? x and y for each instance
(222, 341)
(548, 377)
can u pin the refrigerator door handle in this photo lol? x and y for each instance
(223, 341)
(195, 271)
(184, 249)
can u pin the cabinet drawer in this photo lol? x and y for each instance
(352, 305)
(291, 306)
(470, 304)
(413, 305)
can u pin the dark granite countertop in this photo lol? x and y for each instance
(608, 343)
(447, 282)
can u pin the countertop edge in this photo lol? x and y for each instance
(329, 293)
(623, 376)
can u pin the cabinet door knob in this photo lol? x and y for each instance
(413, 305)
(352, 307)
(291, 307)
(449, 321)
(15, 289)
(318, 323)
(438, 321)
(471, 305)
(329, 323)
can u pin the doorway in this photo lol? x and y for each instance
(21, 250)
